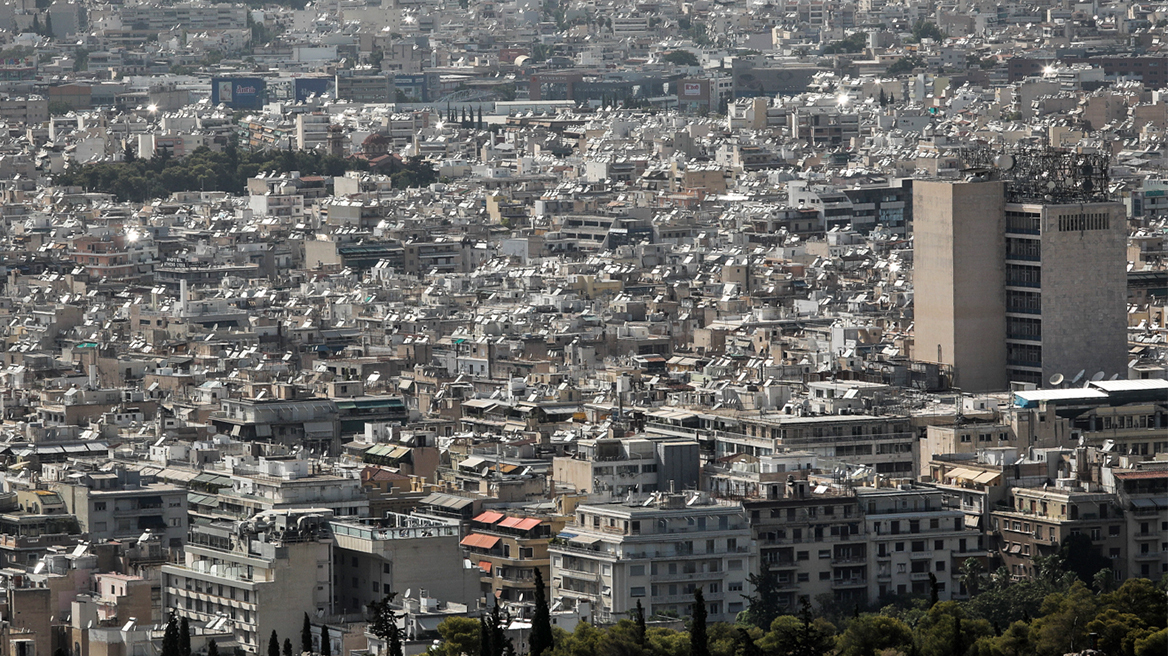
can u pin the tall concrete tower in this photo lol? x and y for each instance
(959, 280)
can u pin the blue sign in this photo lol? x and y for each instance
(311, 86)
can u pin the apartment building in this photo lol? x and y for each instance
(396, 553)
(121, 505)
(656, 552)
(1143, 494)
(915, 534)
(508, 549)
(254, 485)
(263, 575)
(610, 469)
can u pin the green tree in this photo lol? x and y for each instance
(926, 30)
(698, 640)
(306, 636)
(287, 647)
(459, 635)
(868, 635)
(904, 65)
(1062, 626)
(944, 631)
(170, 642)
(639, 619)
(184, 637)
(274, 644)
(212, 649)
(971, 568)
(326, 642)
(764, 605)
(59, 108)
(1117, 632)
(681, 58)
(1140, 597)
(1081, 556)
(1153, 645)
(541, 638)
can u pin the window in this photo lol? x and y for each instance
(99, 506)
(825, 553)
(734, 565)
(637, 570)
(638, 591)
(803, 577)
(803, 555)
(734, 586)
(825, 576)
(940, 566)
(919, 545)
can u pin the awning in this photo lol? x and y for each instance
(489, 517)
(972, 521)
(471, 462)
(961, 472)
(1015, 548)
(987, 477)
(526, 524)
(485, 566)
(479, 541)
(585, 540)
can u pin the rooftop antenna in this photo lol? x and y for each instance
(1057, 380)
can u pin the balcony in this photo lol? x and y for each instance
(849, 560)
(919, 576)
(854, 582)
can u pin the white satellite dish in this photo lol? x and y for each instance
(1098, 376)
(408, 591)
(1057, 380)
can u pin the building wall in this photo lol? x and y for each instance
(959, 280)
(1084, 292)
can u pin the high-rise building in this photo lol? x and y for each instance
(1066, 290)
(959, 280)
(1013, 288)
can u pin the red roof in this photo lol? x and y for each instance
(510, 522)
(489, 517)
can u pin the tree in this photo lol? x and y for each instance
(48, 24)
(326, 642)
(971, 569)
(1062, 627)
(541, 638)
(1140, 597)
(212, 649)
(813, 639)
(926, 30)
(306, 636)
(639, 618)
(698, 640)
(287, 647)
(883, 98)
(681, 58)
(170, 643)
(1153, 645)
(460, 635)
(905, 65)
(1104, 580)
(184, 638)
(764, 603)
(868, 635)
(1082, 557)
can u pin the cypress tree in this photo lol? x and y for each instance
(639, 618)
(287, 647)
(306, 636)
(541, 639)
(273, 645)
(184, 638)
(484, 637)
(699, 643)
(212, 649)
(170, 637)
(326, 647)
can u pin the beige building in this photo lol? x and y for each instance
(959, 281)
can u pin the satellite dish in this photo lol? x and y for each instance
(1057, 380)
(1051, 185)
(1078, 376)
(408, 591)
(1098, 376)
(1004, 162)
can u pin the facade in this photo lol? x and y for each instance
(508, 549)
(611, 469)
(262, 575)
(959, 301)
(1065, 263)
(655, 552)
(111, 506)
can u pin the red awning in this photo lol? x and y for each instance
(527, 524)
(489, 517)
(485, 566)
(510, 522)
(479, 541)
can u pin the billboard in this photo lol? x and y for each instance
(312, 86)
(238, 92)
(691, 89)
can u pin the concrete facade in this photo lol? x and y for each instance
(959, 278)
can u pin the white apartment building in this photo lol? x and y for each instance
(656, 552)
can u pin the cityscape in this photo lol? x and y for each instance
(583, 328)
